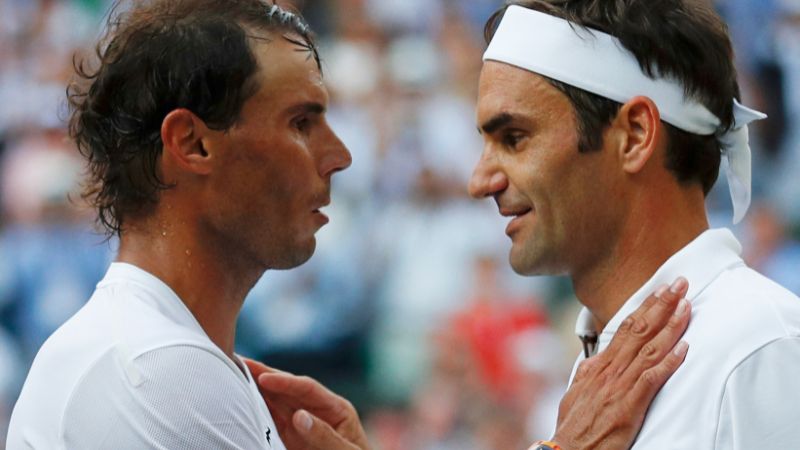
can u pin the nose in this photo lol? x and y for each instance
(336, 157)
(487, 179)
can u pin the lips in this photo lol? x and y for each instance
(319, 214)
(518, 214)
(512, 212)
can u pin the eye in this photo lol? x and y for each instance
(512, 138)
(301, 123)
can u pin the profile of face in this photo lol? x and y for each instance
(560, 201)
(274, 166)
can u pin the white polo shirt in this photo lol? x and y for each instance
(133, 370)
(739, 387)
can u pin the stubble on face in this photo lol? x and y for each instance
(545, 172)
(268, 185)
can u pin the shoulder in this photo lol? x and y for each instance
(125, 367)
(117, 320)
(745, 310)
(743, 338)
(760, 399)
(175, 396)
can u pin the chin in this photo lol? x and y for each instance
(524, 269)
(532, 265)
(297, 256)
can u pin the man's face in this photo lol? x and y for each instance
(274, 166)
(560, 201)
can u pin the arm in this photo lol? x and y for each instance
(603, 409)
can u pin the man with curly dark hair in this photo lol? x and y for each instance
(210, 157)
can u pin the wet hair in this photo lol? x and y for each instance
(158, 56)
(680, 39)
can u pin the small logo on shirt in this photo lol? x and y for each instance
(269, 441)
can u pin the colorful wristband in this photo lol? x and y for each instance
(545, 445)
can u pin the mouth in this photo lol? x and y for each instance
(318, 214)
(517, 216)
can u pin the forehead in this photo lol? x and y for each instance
(507, 88)
(287, 73)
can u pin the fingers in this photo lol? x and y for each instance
(288, 384)
(317, 434)
(300, 392)
(654, 378)
(661, 357)
(644, 323)
(657, 348)
(256, 368)
(589, 367)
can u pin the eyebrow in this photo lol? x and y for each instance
(495, 123)
(308, 107)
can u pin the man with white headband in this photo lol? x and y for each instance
(604, 123)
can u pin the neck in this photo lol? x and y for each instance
(647, 238)
(205, 277)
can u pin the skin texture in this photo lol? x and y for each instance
(530, 163)
(274, 165)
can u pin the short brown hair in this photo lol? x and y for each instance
(159, 56)
(681, 39)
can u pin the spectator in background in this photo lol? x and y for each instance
(50, 258)
(785, 189)
(770, 248)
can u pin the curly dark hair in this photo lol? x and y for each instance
(158, 56)
(682, 39)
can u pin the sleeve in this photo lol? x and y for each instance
(761, 398)
(170, 398)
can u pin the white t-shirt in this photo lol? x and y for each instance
(739, 387)
(133, 370)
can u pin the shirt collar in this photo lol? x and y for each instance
(700, 262)
(164, 299)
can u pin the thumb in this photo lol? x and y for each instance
(317, 434)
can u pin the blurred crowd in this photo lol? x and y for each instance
(408, 306)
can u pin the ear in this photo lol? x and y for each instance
(641, 130)
(182, 134)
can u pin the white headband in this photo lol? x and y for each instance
(598, 63)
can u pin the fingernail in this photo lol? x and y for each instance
(683, 305)
(681, 349)
(661, 290)
(678, 285)
(303, 420)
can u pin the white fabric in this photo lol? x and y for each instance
(598, 63)
(739, 387)
(132, 370)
